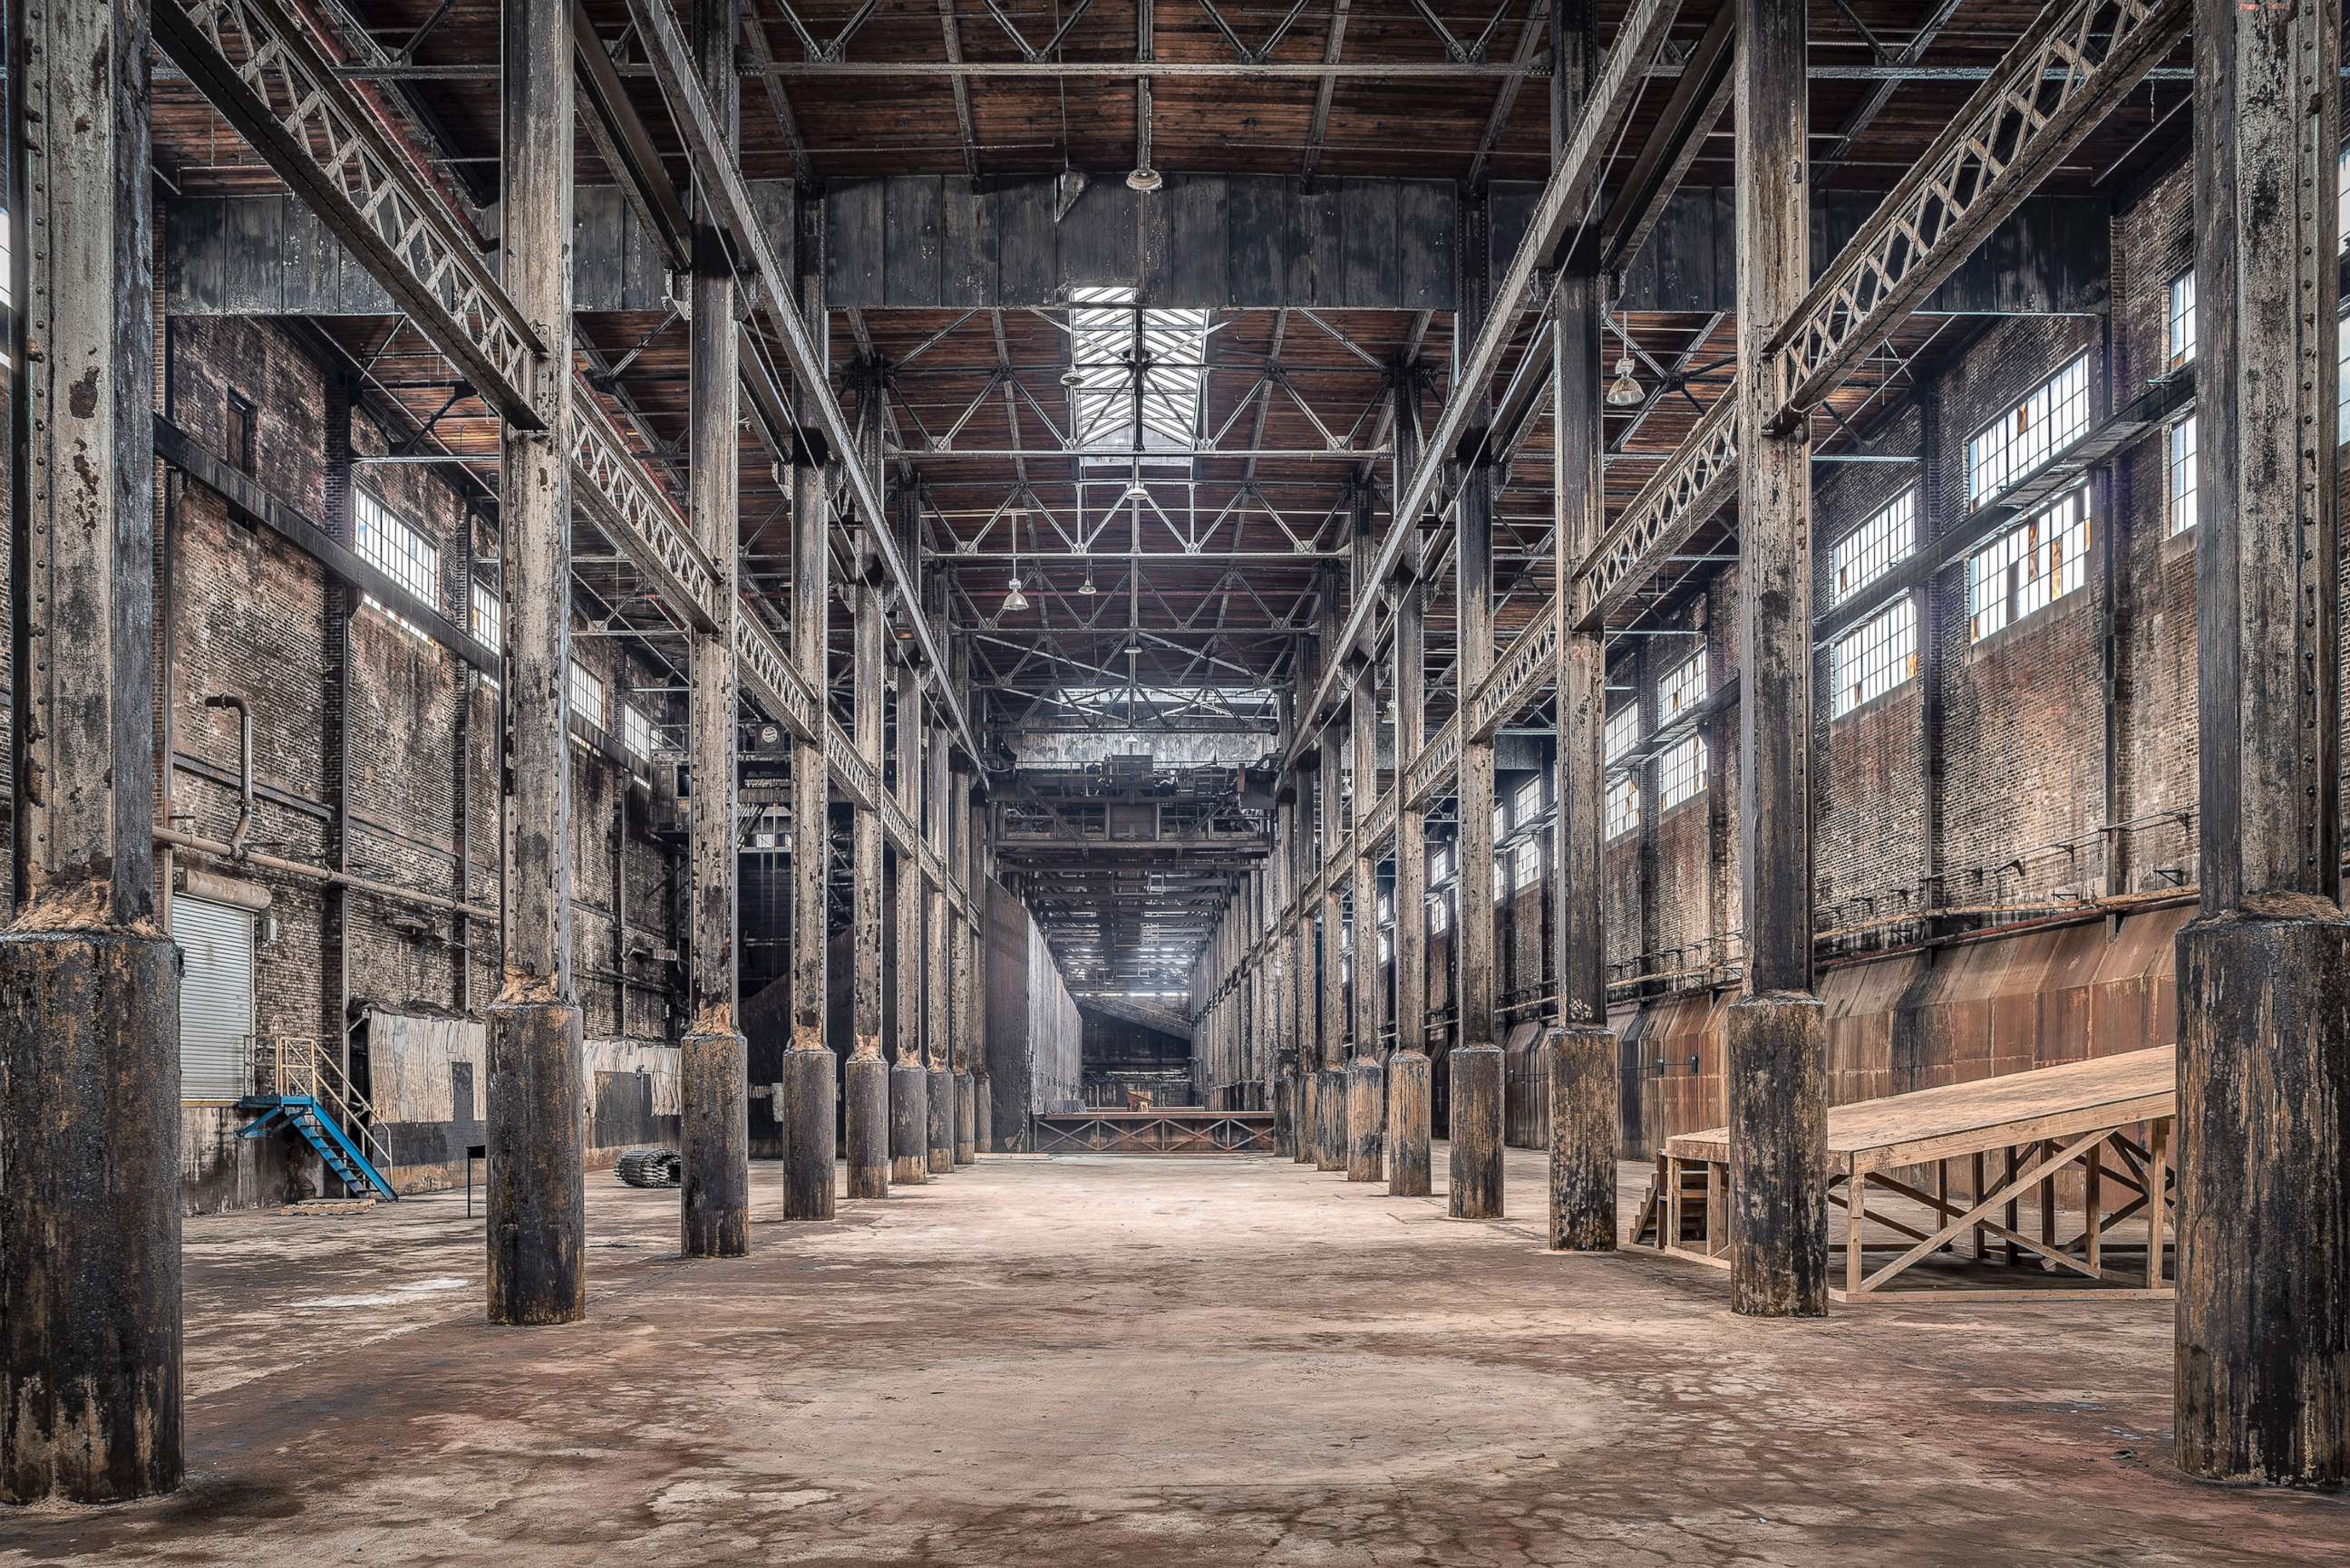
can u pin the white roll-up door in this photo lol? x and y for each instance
(215, 999)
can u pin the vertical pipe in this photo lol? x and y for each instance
(909, 1162)
(1477, 1070)
(2262, 1386)
(714, 1072)
(1583, 1079)
(865, 1075)
(90, 1115)
(537, 1097)
(811, 1077)
(1777, 1030)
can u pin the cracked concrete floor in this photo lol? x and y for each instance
(1105, 1362)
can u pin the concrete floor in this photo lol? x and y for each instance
(1103, 1362)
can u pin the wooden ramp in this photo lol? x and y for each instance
(2098, 1131)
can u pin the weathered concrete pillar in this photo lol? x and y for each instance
(1304, 1027)
(1777, 1030)
(1365, 1076)
(1476, 1063)
(90, 986)
(714, 1077)
(2263, 1321)
(1579, 1059)
(811, 1072)
(537, 1094)
(866, 1075)
(1409, 1074)
(910, 1081)
(937, 1036)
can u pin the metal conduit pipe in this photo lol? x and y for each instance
(179, 840)
(240, 837)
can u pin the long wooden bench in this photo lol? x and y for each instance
(2107, 1122)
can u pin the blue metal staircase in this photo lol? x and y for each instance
(342, 1157)
(312, 1096)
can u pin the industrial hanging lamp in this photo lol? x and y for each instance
(1624, 391)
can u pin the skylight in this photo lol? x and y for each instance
(1105, 332)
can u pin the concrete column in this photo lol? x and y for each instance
(713, 1079)
(811, 1073)
(537, 1093)
(1365, 1077)
(866, 1075)
(910, 1081)
(937, 1033)
(1408, 1070)
(1476, 1063)
(982, 878)
(2263, 1321)
(1777, 1030)
(1579, 1057)
(1330, 1087)
(90, 987)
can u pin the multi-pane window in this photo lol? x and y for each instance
(1682, 689)
(2342, 379)
(1623, 806)
(1106, 331)
(588, 695)
(1874, 657)
(2030, 566)
(397, 550)
(1501, 877)
(2342, 200)
(2031, 432)
(489, 615)
(2179, 476)
(1868, 552)
(1440, 914)
(2178, 318)
(1680, 773)
(1386, 928)
(637, 732)
(1527, 865)
(1620, 733)
(1525, 804)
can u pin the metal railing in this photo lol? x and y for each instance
(299, 1067)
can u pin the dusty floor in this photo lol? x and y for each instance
(1103, 1362)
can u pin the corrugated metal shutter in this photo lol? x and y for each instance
(215, 999)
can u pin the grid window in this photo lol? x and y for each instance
(2342, 379)
(2028, 434)
(1868, 552)
(1105, 330)
(587, 694)
(489, 615)
(1525, 804)
(2178, 337)
(1440, 914)
(1680, 773)
(2179, 476)
(1623, 813)
(2029, 568)
(1501, 877)
(1621, 732)
(637, 733)
(397, 550)
(1681, 690)
(2342, 200)
(1874, 657)
(1527, 865)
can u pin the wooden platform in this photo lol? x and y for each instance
(2107, 1123)
(1175, 1129)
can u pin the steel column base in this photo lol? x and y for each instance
(1366, 1090)
(865, 1088)
(1477, 1126)
(714, 1135)
(2262, 1378)
(1585, 1086)
(1778, 1204)
(90, 1216)
(1410, 1079)
(1330, 1121)
(910, 1123)
(1306, 1129)
(812, 1109)
(537, 1135)
(966, 1127)
(940, 1131)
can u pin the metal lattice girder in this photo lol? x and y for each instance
(2073, 64)
(1695, 483)
(1560, 213)
(769, 680)
(256, 63)
(639, 515)
(1432, 774)
(729, 195)
(1523, 672)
